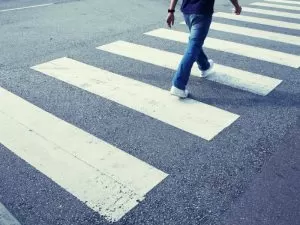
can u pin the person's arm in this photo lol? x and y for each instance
(170, 17)
(238, 8)
(173, 4)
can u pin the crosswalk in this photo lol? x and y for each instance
(277, 6)
(109, 180)
(234, 48)
(141, 97)
(284, 1)
(250, 32)
(257, 20)
(225, 75)
(271, 12)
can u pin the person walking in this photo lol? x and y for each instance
(198, 16)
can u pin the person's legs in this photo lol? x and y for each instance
(202, 59)
(198, 26)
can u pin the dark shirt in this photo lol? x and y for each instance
(205, 7)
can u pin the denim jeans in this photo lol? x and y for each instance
(198, 26)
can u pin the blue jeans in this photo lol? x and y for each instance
(198, 26)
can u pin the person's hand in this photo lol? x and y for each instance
(170, 19)
(238, 10)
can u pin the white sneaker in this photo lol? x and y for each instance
(178, 92)
(210, 70)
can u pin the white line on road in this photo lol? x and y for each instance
(250, 32)
(250, 19)
(6, 218)
(235, 78)
(189, 115)
(233, 47)
(105, 178)
(295, 8)
(272, 12)
(27, 7)
(284, 1)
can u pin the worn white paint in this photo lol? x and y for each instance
(6, 218)
(102, 176)
(288, 7)
(27, 7)
(272, 12)
(236, 78)
(189, 115)
(257, 20)
(233, 47)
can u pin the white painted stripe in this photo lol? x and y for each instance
(232, 47)
(144, 98)
(27, 7)
(294, 8)
(250, 19)
(105, 178)
(284, 1)
(6, 218)
(236, 78)
(284, 38)
(272, 12)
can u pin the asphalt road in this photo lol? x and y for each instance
(248, 174)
